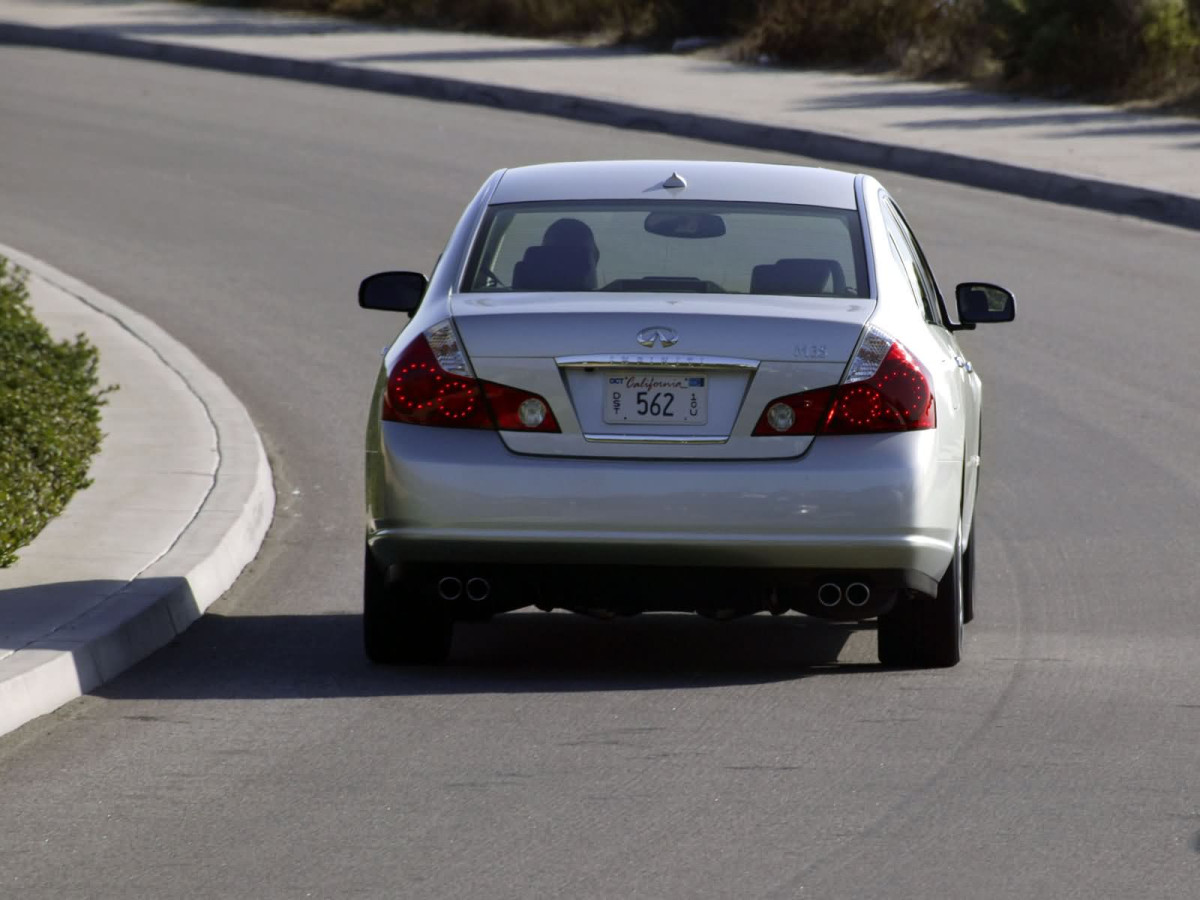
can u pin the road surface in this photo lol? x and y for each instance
(662, 757)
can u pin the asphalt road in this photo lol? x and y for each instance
(663, 757)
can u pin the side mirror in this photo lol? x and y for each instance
(979, 303)
(394, 291)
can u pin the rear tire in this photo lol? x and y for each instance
(401, 627)
(925, 631)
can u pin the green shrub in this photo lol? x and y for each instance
(1105, 48)
(49, 417)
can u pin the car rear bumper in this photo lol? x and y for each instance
(862, 502)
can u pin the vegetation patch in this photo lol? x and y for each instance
(49, 417)
(1102, 50)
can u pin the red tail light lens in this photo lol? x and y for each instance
(898, 396)
(420, 392)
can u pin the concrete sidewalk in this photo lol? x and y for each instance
(180, 502)
(1098, 157)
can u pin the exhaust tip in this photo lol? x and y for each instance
(478, 589)
(829, 594)
(449, 588)
(858, 594)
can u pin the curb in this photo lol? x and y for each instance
(1023, 181)
(173, 590)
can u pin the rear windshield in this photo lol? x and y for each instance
(669, 246)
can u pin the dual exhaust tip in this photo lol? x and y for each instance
(831, 594)
(475, 589)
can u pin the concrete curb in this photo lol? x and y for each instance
(1056, 187)
(139, 616)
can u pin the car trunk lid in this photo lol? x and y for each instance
(654, 375)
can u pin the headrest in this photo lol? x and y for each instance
(555, 269)
(569, 232)
(799, 277)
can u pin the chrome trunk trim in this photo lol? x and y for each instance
(656, 361)
(656, 439)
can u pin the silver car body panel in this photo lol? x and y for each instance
(643, 179)
(600, 493)
(869, 502)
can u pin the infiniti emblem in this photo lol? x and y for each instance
(657, 334)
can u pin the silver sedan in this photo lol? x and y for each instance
(716, 387)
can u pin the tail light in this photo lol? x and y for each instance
(885, 389)
(432, 383)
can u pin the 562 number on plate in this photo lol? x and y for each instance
(652, 399)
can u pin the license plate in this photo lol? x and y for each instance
(640, 398)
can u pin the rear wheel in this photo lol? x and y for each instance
(925, 631)
(401, 627)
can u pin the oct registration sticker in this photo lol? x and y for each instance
(636, 398)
